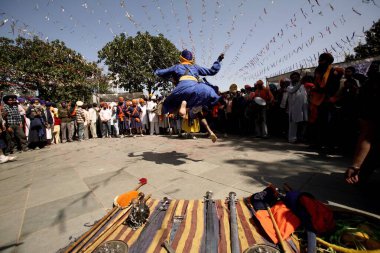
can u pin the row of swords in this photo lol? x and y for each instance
(212, 229)
(139, 216)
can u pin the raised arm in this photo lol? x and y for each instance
(165, 73)
(209, 71)
(213, 70)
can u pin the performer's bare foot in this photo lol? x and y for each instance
(213, 137)
(182, 110)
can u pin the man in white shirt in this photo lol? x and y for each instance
(86, 122)
(298, 106)
(92, 119)
(105, 118)
(153, 118)
(144, 115)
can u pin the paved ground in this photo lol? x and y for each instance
(48, 195)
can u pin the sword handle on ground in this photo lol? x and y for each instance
(111, 228)
(100, 223)
(108, 231)
(167, 246)
(86, 237)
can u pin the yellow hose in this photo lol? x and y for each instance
(343, 249)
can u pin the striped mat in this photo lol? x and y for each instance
(190, 234)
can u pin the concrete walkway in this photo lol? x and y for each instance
(48, 195)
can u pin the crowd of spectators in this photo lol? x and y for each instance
(325, 110)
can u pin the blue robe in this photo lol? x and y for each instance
(195, 93)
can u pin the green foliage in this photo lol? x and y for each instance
(57, 71)
(133, 60)
(372, 46)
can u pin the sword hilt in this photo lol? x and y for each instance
(167, 246)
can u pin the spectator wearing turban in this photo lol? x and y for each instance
(134, 112)
(151, 108)
(144, 115)
(265, 94)
(327, 82)
(298, 108)
(38, 123)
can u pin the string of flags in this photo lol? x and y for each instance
(188, 30)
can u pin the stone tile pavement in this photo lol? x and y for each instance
(48, 195)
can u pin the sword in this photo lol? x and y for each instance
(136, 247)
(211, 239)
(235, 246)
(176, 222)
(163, 207)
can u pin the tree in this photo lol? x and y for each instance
(133, 60)
(53, 69)
(372, 46)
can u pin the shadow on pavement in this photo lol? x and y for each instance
(4, 247)
(319, 175)
(173, 157)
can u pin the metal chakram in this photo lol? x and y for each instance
(112, 246)
(262, 248)
(139, 213)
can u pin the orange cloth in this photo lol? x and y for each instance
(316, 98)
(123, 200)
(286, 220)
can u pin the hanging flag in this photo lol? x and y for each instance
(356, 11)
(312, 8)
(339, 45)
(303, 13)
(3, 22)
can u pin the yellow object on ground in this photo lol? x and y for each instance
(343, 249)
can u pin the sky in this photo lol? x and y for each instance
(260, 38)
